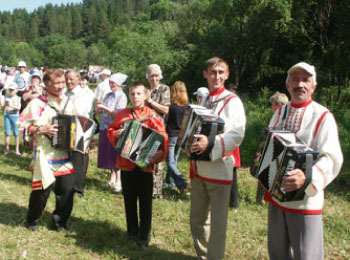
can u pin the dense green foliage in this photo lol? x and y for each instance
(260, 39)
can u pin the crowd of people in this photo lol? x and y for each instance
(295, 229)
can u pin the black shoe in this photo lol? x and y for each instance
(33, 228)
(59, 228)
(143, 243)
(63, 229)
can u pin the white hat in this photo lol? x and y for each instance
(118, 78)
(22, 64)
(105, 72)
(12, 85)
(35, 74)
(201, 92)
(154, 69)
(303, 66)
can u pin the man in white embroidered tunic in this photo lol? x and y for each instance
(295, 229)
(49, 164)
(211, 180)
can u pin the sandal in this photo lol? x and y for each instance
(6, 152)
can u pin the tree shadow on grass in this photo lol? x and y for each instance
(15, 178)
(98, 236)
(101, 237)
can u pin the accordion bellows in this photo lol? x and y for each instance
(138, 143)
(74, 132)
(279, 152)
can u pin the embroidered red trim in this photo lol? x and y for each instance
(225, 104)
(320, 121)
(323, 174)
(301, 105)
(269, 199)
(217, 92)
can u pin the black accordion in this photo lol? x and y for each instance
(199, 120)
(138, 142)
(74, 132)
(279, 152)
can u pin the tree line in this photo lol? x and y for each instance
(260, 39)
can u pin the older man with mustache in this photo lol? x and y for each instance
(295, 228)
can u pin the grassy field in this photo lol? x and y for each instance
(99, 230)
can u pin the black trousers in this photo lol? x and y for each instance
(234, 190)
(80, 164)
(138, 186)
(63, 189)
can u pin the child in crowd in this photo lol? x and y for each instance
(137, 183)
(11, 107)
(201, 94)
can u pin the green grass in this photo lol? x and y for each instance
(98, 222)
(99, 229)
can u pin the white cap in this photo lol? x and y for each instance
(22, 64)
(201, 92)
(12, 85)
(303, 66)
(35, 74)
(105, 72)
(118, 78)
(154, 69)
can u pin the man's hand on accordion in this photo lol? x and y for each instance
(293, 180)
(50, 130)
(200, 145)
(156, 157)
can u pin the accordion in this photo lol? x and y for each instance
(138, 142)
(199, 120)
(74, 132)
(279, 152)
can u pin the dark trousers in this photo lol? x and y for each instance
(234, 190)
(80, 164)
(63, 189)
(138, 185)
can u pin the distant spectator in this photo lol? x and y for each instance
(201, 95)
(34, 90)
(277, 100)
(159, 100)
(234, 188)
(114, 102)
(22, 78)
(11, 108)
(103, 88)
(179, 102)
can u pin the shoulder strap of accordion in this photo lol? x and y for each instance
(141, 119)
(284, 117)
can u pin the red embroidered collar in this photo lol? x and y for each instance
(301, 105)
(217, 92)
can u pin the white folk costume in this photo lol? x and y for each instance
(47, 162)
(211, 180)
(316, 127)
(295, 228)
(48, 165)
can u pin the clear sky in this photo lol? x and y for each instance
(30, 5)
